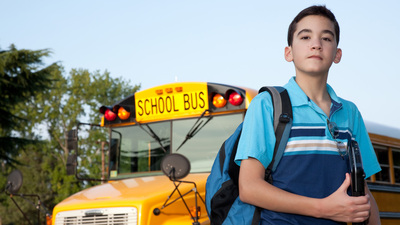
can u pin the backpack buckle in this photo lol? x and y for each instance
(284, 118)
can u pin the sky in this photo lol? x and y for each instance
(232, 42)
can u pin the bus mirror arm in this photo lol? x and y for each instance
(176, 167)
(195, 217)
(14, 183)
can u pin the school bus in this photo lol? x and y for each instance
(385, 185)
(188, 119)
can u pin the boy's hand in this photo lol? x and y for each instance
(339, 206)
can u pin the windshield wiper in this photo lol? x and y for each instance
(197, 126)
(152, 134)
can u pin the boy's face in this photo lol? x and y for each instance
(314, 46)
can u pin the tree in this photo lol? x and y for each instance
(22, 76)
(48, 116)
(72, 100)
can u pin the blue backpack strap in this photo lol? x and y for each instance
(284, 126)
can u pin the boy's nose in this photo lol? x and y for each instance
(316, 45)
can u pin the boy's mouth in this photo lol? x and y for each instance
(315, 57)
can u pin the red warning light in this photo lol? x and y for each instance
(235, 98)
(110, 115)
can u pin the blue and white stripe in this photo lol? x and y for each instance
(314, 139)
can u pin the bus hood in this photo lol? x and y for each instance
(129, 192)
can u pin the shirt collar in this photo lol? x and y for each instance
(298, 97)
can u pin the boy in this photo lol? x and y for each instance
(311, 181)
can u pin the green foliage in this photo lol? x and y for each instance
(22, 76)
(47, 113)
(41, 177)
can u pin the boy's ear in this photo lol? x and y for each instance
(338, 56)
(288, 54)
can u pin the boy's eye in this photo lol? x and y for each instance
(305, 38)
(326, 39)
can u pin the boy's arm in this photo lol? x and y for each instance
(253, 189)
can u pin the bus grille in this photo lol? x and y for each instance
(100, 216)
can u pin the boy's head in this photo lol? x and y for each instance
(313, 11)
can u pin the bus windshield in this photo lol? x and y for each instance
(140, 148)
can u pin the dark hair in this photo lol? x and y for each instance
(313, 11)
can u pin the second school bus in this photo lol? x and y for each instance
(192, 119)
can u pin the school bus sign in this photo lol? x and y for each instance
(171, 100)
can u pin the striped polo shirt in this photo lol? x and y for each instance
(311, 164)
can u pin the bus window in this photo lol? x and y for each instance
(396, 164)
(143, 147)
(383, 158)
(202, 149)
(114, 149)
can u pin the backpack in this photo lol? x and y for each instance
(223, 204)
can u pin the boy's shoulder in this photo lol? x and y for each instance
(262, 99)
(347, 104)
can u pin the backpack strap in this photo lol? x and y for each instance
(283, 119)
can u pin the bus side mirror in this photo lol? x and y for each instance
(71, 164)
(72, 140)
(175, 166)
(72, 145)
(14, 182)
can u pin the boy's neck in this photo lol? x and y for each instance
(315, 88)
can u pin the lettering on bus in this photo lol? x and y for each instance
(193, 101)
(171, 104)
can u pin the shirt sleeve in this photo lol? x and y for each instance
(258, 137)
(370, 162)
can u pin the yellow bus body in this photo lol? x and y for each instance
(143, 193)
(386, 191)
(388, 203)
